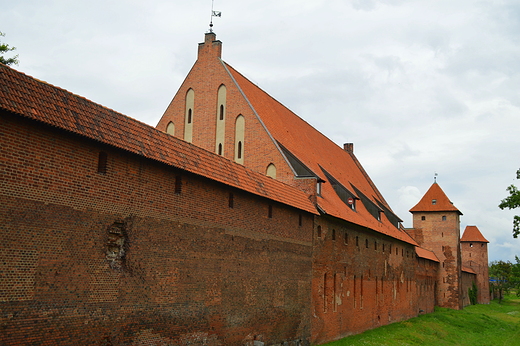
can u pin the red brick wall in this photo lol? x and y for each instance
(355, 287)
(467, 283)
(206, 76)
(120, 258)
(426, 278)
(475, 256)
(442, 237)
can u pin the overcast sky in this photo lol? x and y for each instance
(418, 86)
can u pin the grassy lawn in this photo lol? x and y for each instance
(477, 325)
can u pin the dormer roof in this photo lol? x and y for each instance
(472, 234)
(434, 200)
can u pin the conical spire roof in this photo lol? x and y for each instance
(434, 200)
(472, 233)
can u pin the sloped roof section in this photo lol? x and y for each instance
(318, 153)
(40, 101)
(472, 234)
(434, 200)
(468, 270)
(426, 254)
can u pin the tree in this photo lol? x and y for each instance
(511, 202)
(515, 276)
(500, 278)
(4, 48)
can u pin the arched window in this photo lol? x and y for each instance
(188, 117)
(220, 129)
(239, 139)
(170, 129)
(271, 171)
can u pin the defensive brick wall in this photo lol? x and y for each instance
(141, 254)
(361, 280)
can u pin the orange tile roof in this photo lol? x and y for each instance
(316, 151)
(472, 233)
(37, 100)
(468, 270)
(427, 254)
(442, 202)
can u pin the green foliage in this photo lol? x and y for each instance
(4, 48)
(472, 293)
(482, 324)
(500, 274)
(511, 202)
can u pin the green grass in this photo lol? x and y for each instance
(477, 325)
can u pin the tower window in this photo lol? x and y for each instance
(221, 116)
(300, 220)
(333, 234)
(270, 211)
(444, 218)
(220, 148)
(102, 162)
(319, 231)
(366, 243)
(189, 116)
(423, 218)
(357, 241)
(434, 201)
(346, 238)
(470, 245)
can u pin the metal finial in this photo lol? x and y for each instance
(435, 177)
(213, 14)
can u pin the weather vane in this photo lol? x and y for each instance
(213, 14)
(435, 177)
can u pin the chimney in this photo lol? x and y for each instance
(349, 147)
(210, 48)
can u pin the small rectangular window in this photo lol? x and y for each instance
(444, 218)
(102, 162)
(178, 184)
(231, 200)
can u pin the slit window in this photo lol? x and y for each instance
(239, 149)
(300, 219)
(346, 238)
(102, 162)
(270, 211)
(189, 116)
(231, 200)
(220, 148)
(333, 234)
(221, 116)
(178, 184)
(319, 231)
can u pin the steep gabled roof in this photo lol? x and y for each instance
(40, 101)
(318, 153)
(434, 200)
(426, 254)
(472, 234)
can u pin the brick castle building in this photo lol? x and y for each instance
(233, 222)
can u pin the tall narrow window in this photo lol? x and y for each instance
(334, 303)
(270, 211)
(346, 238)
(318, 231)
(239, 139)
(366, 243)
(300, 219)
(357, 241)
(333, 234)
(178, 184)
(231, 200)
(102, 162)
(220, 130)
(170, 129)
(188, 121)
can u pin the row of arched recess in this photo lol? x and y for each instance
(220, 129)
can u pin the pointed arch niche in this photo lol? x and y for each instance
(221, 120)
(170, 129)
(239, 139)
(271, 171)
(188, 118)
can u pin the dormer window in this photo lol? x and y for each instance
(434, 201)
